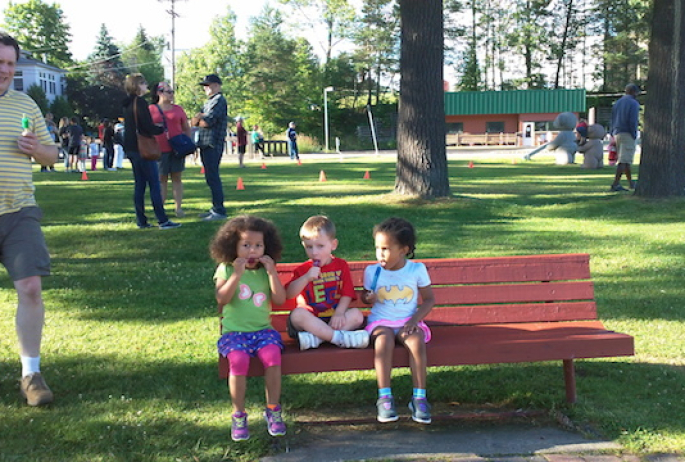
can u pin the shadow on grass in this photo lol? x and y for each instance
(116, 409)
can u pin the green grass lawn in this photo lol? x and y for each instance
(129, 344)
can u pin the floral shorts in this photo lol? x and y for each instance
(249, 342)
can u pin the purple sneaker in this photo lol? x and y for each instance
(239, 430)
(274, 421)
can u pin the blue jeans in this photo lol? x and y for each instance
(292, 148)
(211, 158)
(146, 172)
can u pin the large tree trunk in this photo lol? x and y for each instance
(421, 157)
(662, 165)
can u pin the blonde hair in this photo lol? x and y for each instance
(316, 225)
(132, 83)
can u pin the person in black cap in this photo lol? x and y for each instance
(212, 123)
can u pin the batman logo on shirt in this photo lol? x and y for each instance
(395, 294)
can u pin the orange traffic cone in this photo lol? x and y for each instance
(470, 164)
(202, 170)
(84, 176)
(322, 176)
(299, 162)
(513, 161)
(263, 166)
(367, 175)
(240, 185)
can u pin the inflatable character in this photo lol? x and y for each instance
(593, 149)
(564, 143)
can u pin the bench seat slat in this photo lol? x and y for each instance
(463, 345)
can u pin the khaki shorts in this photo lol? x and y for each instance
(23, 251)
(625, 145)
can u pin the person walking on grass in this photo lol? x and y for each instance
(324, 289)
(213, 124)
(246, 249)
(291, 135)
(624, 119)
(23, 250)
(393, 286)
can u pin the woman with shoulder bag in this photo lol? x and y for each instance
(138, 131)
(174, 120)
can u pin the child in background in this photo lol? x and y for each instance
(83, 155)
(94, 151)
(613, 151)
(324, 289)
(246, 249)
(393, 286)
(581, 132)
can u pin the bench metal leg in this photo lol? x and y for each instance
(570, 379)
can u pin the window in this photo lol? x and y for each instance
(494, 127)
(19, 80)
(452, 128)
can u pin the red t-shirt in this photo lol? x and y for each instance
(174, 123)
(323, 294)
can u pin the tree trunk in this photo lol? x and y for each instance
(662, 163)
(421, 157)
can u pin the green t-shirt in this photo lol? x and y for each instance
(250, 308)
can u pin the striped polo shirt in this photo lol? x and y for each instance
(16, 177)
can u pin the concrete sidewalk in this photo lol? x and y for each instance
(479, 442)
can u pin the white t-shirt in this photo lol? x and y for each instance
(397, 292)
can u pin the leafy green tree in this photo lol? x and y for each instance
(336, 15)
(60, 107)
(283, 76)
(106, 65)
(469, 68)
(37, 93)
(94, 102)
(377, 44)
(529, 38)
(624, 27)
(222, 55)
(144, 55)
(40, 28)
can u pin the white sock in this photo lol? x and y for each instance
(337, 338)
(29, 365)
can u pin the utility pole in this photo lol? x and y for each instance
(174, 15)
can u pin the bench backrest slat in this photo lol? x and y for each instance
(544, 288)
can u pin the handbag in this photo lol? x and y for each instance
(147, 145)
(181, 143)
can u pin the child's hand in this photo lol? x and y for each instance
(314, 273)
(337, 321)
(409, 328)
(239, 265)
(370, 297)
(268, 262)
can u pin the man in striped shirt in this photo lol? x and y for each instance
(23, 252)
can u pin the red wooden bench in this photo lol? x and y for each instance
(488, 311)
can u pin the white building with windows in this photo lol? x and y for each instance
(33, 72)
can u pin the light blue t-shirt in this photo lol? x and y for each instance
(397, 292)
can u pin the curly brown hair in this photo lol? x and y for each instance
(224, 245)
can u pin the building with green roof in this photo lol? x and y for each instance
(508, 112)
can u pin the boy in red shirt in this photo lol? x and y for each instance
(324, 289)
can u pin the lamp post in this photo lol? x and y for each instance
(325, 113)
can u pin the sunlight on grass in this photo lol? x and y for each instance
(129, 345)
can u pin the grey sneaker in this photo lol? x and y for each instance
(212, 216)
(386, 410)
(308, 340)
(354, 339)
(169, 225)
(617, 188)
(35, 390)
(420, 410)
